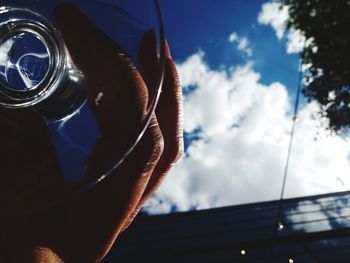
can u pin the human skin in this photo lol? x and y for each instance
(85, 228)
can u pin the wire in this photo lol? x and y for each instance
(291, 137)
(279, 224)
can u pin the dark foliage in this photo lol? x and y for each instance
(326, 24)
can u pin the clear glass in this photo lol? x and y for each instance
(79, 81)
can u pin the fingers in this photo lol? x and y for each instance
(122, 105)
(169, 110)
(102, 212)
(84, 40)
(149, 61)
(116, 91)
(169, 113)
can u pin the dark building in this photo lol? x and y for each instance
(310, 229)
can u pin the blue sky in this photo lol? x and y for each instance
(238, 67)
(206, 25)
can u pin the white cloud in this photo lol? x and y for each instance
(4, 51)
(233, 37)
(272, 14)
(241, 154)
(4, 57)
(295, 41)
(242, 43)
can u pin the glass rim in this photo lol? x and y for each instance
(87, 184)
(74, 189)
(40, 27)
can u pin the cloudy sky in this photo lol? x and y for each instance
(238, 66)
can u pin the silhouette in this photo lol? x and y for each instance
(325, 25)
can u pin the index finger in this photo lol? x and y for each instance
(116, 92)
(108, 70)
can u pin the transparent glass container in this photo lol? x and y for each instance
(79, 81)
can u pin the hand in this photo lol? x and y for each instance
(84, 230)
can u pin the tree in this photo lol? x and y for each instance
(325, 25)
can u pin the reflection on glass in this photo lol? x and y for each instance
(25, 61)
(74, 96)
(319, 214)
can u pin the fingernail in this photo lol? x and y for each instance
(167, 50)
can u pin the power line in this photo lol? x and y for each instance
(291, 135)
(278, 224)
